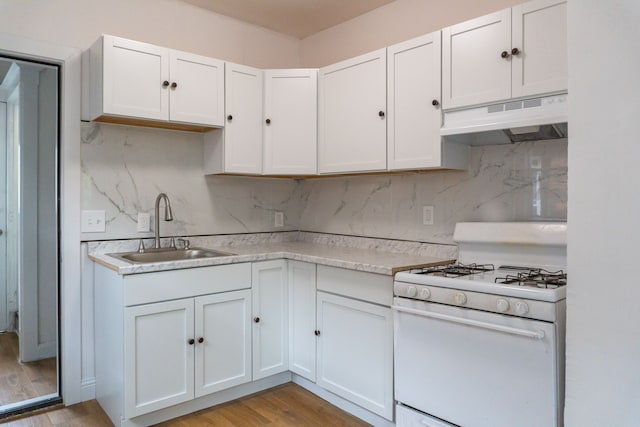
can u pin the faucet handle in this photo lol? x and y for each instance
(185, 243)
(172, 243)
(141, 247)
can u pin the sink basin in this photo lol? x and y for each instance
(163, 255)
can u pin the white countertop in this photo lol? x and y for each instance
(369, 260)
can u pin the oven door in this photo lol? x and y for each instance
(474, 368)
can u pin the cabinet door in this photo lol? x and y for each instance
(158, 364)
(355, 352)
(413, 85)
(270, 329)
(243, 128)
(302, 319)
(540, 35)
(223, 324)
(197, 89)
(473, 69)
(133, 78)
(352, 125)
(290, 132)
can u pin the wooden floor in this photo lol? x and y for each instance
(286, 405)
(22, 381)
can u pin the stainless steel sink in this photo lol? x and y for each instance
(168, 254)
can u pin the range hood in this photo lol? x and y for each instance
(532, 119)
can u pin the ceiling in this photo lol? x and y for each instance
(298, 18)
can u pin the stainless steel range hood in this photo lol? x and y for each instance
(532, 119)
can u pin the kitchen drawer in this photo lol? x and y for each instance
(371, 287)
(406, 417)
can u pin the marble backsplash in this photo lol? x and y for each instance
(124, 168)
(515, 182)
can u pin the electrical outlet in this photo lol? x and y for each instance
(144, 222)
(427, 215)
(279, 220)
(92, 222)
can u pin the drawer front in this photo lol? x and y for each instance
(168, 285)
(371, 287)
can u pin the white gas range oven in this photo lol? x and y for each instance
(481, 342)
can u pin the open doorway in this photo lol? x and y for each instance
(29, 245)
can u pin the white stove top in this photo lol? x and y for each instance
(486, 283)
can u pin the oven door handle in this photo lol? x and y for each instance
(478, 324)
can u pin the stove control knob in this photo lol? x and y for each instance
(503, 305)
(522, 308)
(425, 293)
(460, 298)
(412, 291)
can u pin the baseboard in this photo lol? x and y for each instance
(88, 389)
(341, 403)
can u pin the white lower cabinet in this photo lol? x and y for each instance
(270, 326)
(223, 324)
(355, 352)
(157, 340)
(302, 319)
(178, 350)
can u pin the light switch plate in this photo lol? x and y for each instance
(144, 222)
(92, 222)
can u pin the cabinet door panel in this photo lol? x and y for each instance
(302, 319)
(269, 301)
(158, 358)
(473, 71)
(540, 33)
(223, 359)
(352, 132)
(133, 77)
(355, 352)
(243, 131)
(413, 128)
(199, 94)
(291, 99)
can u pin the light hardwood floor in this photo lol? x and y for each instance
(22, 381)
(286, 405)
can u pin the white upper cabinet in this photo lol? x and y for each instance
(290, 125)
(352, 122)
(196, 89)
(475, 60)
(133, 81)
(540, 35)
(512, 53)
(242, 151)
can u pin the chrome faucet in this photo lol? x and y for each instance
(168, 216)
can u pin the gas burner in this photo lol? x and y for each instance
(536, 277)
(454, 270)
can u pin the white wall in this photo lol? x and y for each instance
(170, 23)
(603, 331)
(392, 23)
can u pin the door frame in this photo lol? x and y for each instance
(69, 313)
(4, 320)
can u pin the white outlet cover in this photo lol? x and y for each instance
(279, 220)
(144, 222)
(427, 215)
(92, 222)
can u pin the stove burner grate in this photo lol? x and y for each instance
(455, 270)
(536, 277)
